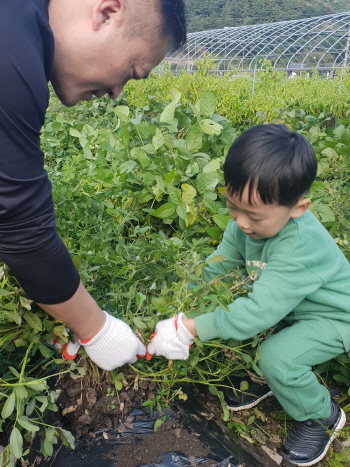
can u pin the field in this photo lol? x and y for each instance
(139, 196)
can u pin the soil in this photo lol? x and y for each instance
(89, 408)
(168, 438)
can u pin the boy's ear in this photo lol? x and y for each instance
(105, 10)
(301, 207)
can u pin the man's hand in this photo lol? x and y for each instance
(69, 350)
(171, 340)
(114, 345)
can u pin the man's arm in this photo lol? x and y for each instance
(108, 341)
(81, 313)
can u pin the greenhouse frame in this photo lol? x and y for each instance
(320, 43)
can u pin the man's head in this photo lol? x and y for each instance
(268, 171)
(101, 44)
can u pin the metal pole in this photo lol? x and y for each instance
(347, 49)
(254, 77)
(341, 80)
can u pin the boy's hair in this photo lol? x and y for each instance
(282, 164)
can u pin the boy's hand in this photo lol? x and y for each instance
(114, 345)
(171, 340)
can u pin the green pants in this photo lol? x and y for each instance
(286, 360)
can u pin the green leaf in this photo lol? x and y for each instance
(207, 181)
(174, 194)
(244, 386)
(118, 385)
(87, 151)
(4, 292)
(213, 166)
(160, 304)
(322, 212)
(44, 405)
(213, 390)
(158, 140)
(45, 352)
(223, 306)
(159, 423)
(127, 167)
(167, 116)
(16, 443)
(221, 220)
(197, 341)
(183, 397)
(211, 206)
(122, 111)
(181, 210)
(188, 193)
(14, 371)
(329, 152)
(50, 434)
(209, 127)
(339, 131)
(175, 94)
(194, 110)
(165, 211)
(143, 159)
(48, 448)
(169, 177)
(140, 298)
(214, 232)
(25, 302)
(75, 133)
(125, 135)
(207, 104)
(216, 259)
(322, 167)
(139, 323)
(194, 139)
(226, 413)
(66, 437)
(8, 406)
(256, 369)
(340, 378)
(30, 407)
(21, 392)
(23, 421)
(33, 320)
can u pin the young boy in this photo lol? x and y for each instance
(302, 282)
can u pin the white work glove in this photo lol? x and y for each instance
(114, 346)
(171, 339)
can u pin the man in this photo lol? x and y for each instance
(86, 48)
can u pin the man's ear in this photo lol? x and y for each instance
(301, 207)
(106, 10)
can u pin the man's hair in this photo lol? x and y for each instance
(168, 18)
(174, 22)
(280, 163)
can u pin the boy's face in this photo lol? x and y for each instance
(259, 220)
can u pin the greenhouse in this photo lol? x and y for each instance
(320, 43)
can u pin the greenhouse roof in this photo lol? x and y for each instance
(304, 44)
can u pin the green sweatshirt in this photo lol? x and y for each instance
(301, 274)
